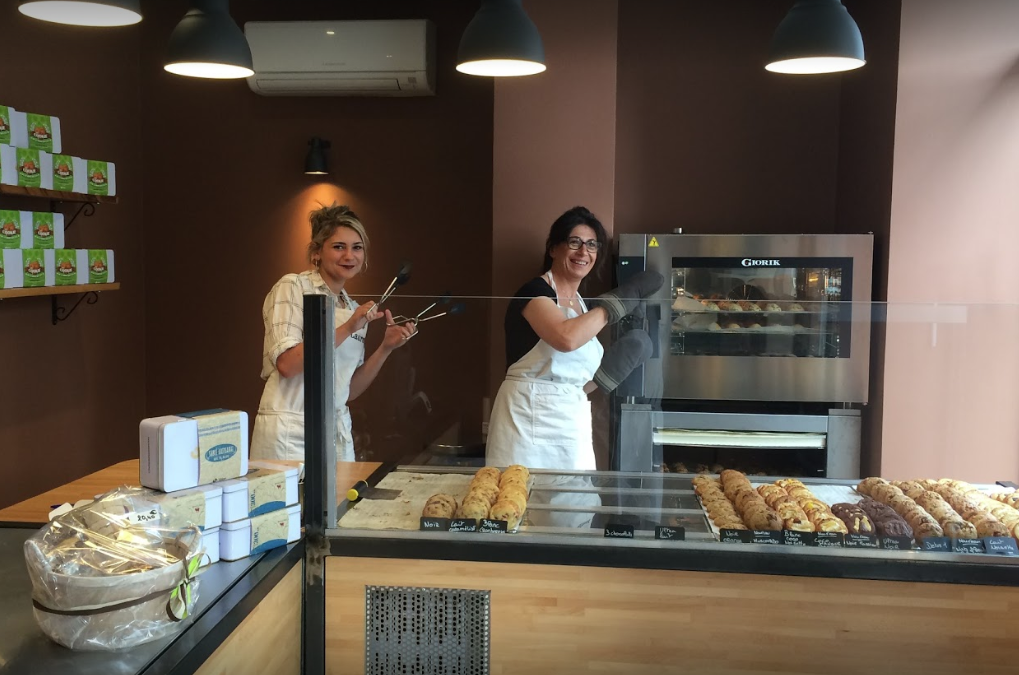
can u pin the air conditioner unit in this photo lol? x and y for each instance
(342, 58)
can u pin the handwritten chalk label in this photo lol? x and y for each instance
(734, 536)
(493, 526)
(829, 539)
(766, 536)
(463, 525)
(1001, 546)
(437, 524)
(667, 533)
(896, 543)
(797, 538)
(861, 541)
(969, 546)
(618, 531)
(937, 544)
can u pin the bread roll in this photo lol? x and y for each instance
(490, 473)
(506, 510)
(439, 506)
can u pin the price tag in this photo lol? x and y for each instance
(617, 531)
(493, 526)
(463, 525)
(765, 536)
(829, 539)
(797, 538)
(896, 543)
(734, 536)
(969, 546)
(142, 517)
(938, 544)
(1001, 546)
(437, 524)
(665, 532)
(861, 541)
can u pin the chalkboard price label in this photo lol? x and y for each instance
(766, 536)
(1001, 546)
(618, 531)
(797, 538)
(734, 536)
(969, 546)
(830, 539)
(436, 524)
(493, 526)
(938, 544)
(861, 541)
(667, 533)
(896, 543)
(463, 525)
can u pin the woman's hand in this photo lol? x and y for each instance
(362, 316)
(397, 336)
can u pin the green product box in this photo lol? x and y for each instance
(47, 230)
(43, 132)
(99, 266)
(63, 173)
(5, 125)
(33, 261)
(101, 177)
(29, 167)
(66, 267)
(10, 229)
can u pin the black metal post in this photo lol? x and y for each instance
(319, 471)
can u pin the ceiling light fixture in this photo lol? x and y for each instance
(208, 43)
(501, 41)
(84, 12)
(816, 36)
(316, 164)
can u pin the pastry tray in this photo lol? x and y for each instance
(403, 512)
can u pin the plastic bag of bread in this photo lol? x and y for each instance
(103, 579)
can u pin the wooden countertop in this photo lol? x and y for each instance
(35, 510)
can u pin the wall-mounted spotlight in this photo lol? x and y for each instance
(316, 164)
(208, 43)
(84, 12)
(501, 41)
(816, 36)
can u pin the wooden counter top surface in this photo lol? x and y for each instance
(35, 510)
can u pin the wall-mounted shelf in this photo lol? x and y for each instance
(55, 195)
(56, 290)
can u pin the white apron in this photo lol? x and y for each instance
(279, 426)
(541, 418)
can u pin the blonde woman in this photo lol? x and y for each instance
(338, 252)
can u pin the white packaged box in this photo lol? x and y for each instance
(184, 451)
(12, 275)
(260, 534)
(201, 506)
(19, 129)
(8, 165)
(15, 229)
(210, 542)
(269, 486)
(69, 174)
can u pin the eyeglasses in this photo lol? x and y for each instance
(592, 245)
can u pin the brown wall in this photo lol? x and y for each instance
(950, 374)
(228, 204)
(73, 393)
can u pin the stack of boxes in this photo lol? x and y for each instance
(32, 249)
(202, 458)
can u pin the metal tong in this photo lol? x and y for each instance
(457, 308)
(402, 277)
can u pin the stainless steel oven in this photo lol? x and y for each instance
(762, 351)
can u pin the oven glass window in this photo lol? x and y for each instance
(782, 308)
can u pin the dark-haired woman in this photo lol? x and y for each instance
(338, 252)
(541, 416)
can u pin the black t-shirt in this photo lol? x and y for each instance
(520, 337)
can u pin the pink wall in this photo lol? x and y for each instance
(951, 393)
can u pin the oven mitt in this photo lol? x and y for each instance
(624, 298)
(619, 360)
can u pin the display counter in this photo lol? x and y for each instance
(573, 599)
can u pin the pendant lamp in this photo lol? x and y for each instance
(84, 12)
(816, 36)
(208, 43)
(501, 41)
(315, 164)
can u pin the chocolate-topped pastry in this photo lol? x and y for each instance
(894, 528)
(855, 518)
(886, 521)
